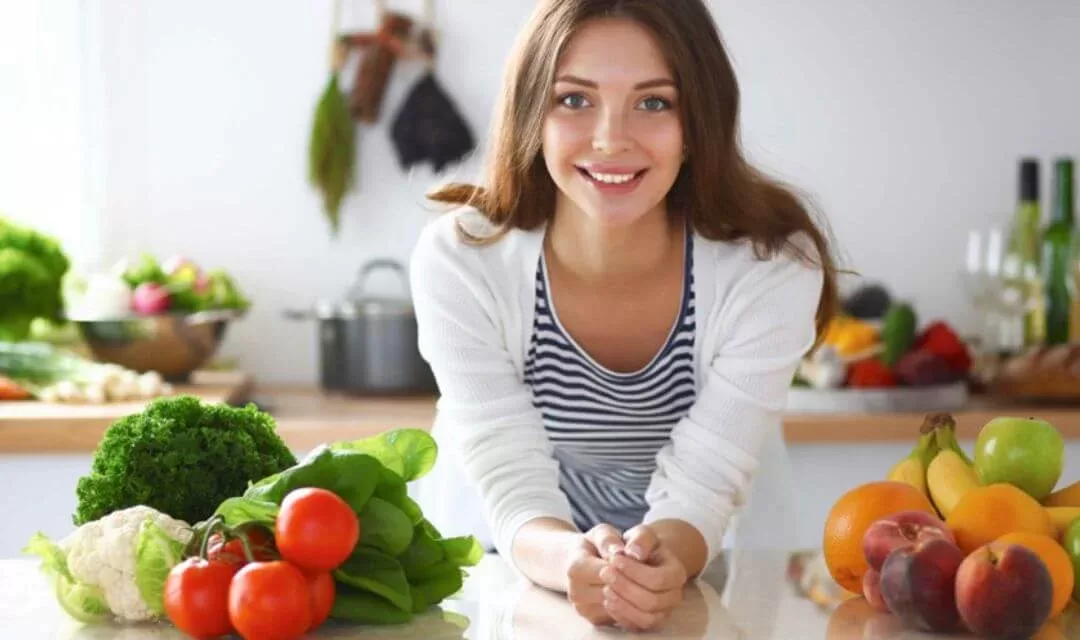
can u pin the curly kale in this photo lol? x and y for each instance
(32, 267)
(181, 456)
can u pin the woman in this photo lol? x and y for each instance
(615, 317)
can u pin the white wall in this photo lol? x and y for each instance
(903, 120)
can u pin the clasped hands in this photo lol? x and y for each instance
(632, 581)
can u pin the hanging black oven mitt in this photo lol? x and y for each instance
(429, 127)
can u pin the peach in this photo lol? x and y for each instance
(901, 530)
(918, 584)
(871, 585)
(1004, 591)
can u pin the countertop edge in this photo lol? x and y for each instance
(307, 417)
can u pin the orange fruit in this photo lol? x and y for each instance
(1053, 556)
(987, 513)
(852, 515)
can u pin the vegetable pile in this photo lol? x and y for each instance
(148, 287)
(333, 536)
(181, 456)
(860, 353)
(52, 374)
(32, 268)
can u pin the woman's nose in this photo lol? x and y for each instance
(611, 136)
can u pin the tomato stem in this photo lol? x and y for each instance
(246, 546)
(214, 522)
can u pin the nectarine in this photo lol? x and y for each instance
(918, 584)
(1004, 591)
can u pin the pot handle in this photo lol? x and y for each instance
(357, 290)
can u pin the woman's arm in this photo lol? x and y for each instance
(544, 549)
(766, 326)
(485, 411)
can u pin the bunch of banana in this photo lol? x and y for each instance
(912, 469)
(937, 465)
(950, 475)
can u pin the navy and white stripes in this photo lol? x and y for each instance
(606, 426)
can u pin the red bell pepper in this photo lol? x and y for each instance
(940, 339)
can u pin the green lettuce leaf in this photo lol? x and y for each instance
(410, 453)
(155, 554)
(350, 474)
(385, 527)
(372, 570)
(84, 602)
(238, 511)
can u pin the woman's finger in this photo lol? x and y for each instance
(638, 596)
(606, 539)
(586, 570)
(587, 595)
(667, 575)
(641, 542)
(630, 617)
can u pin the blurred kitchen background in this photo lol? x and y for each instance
(183, 128)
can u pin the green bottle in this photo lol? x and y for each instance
(1057, 258)
(1020, 268)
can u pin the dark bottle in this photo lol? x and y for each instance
(1057, 259)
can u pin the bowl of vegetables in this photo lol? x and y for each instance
(166, 317)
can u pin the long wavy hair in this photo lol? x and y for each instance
(717, 190)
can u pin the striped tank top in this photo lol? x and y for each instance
(606, 427)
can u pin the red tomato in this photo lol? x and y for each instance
(315, 529)
(322, 589)
(270, 601)
(259, 541)
(197, 597)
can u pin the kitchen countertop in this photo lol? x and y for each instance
(754, 599)
(307, 416)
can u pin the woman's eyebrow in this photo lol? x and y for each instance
(647, 84)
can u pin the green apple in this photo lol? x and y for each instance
(1025, 452)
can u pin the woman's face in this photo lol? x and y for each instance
(613, 141)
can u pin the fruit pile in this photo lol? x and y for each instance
(949, 543)
(892, 352)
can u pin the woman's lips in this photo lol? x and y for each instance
(612, 180)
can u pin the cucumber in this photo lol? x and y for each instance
(39, 363)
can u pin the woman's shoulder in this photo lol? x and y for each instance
(444, 245)
(739, 258)
(741, 271)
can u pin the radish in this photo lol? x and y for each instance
(150, 298)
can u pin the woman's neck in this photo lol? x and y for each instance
(606, 255)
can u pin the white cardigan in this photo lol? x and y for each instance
(495, 470)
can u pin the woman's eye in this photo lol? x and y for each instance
(655, 104)
(573, 101)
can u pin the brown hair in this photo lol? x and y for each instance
(721, 194)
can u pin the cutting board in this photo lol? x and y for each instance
(44, 426)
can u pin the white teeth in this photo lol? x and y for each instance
(612, 178)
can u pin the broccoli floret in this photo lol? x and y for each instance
(32, 267)
(181, 456)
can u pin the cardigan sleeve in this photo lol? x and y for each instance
(484, 410)
(767, 324)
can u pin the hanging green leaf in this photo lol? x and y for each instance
(332, 151)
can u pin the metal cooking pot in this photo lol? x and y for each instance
(368, 344)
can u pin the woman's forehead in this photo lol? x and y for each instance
(615, 51)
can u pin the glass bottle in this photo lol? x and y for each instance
(1057, 256)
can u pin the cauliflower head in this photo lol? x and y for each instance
(104, 553)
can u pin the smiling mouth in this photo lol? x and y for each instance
(613, 179)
